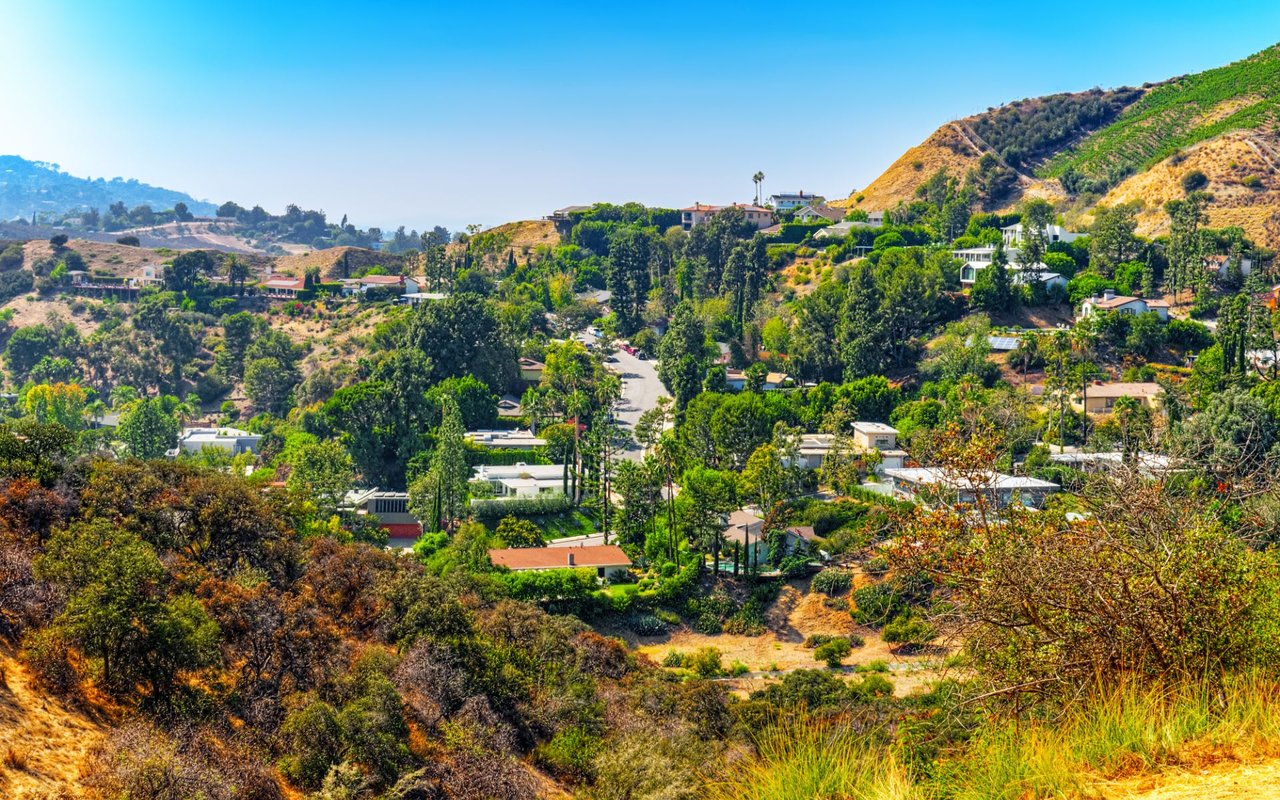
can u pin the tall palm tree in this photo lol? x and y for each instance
(758, 178)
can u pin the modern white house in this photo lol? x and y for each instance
(1012, 234)
(1121, 304)
(522, 480)
(698, 213)
(233, 440)
(785, 201)
(505, 439)
(977, 259)
(936, 486)
(148, 275)
(399, 283)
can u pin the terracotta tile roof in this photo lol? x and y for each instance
(605, 555)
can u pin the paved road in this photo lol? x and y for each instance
(641, 389)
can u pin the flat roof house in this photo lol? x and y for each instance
(401, 284)
(1121, 304)
(785, 201)
(389, 509)
(522, 480)
(505, 440)
(1012, 234)
(608, 560)
(233, 440)
(933, 485)
(1100, 398)
(698, 213)
(867, 436)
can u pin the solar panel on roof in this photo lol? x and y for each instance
(1003, 342)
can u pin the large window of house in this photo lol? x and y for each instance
(390, 506)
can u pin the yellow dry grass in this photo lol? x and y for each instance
(1227, 781)
(43, 741)
(1226, 160)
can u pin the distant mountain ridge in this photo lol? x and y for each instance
(1102, 147)
(28, 186)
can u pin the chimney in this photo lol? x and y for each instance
(571, 558)
(1108, 294)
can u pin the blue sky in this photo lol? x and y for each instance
(429, 113)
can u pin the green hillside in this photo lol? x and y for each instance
(1174, 115)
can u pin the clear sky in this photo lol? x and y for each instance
(432, 113)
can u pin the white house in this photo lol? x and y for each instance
(786, 201)
(233, 440)
(1220, 265)
(698, 213)
(148, 275)
(1012, 234)
(977, 259)
(1121, 304)
(505, 439)
(867, 437)
(933, 485)
(522, 480)
(399, 283)
(746, 531)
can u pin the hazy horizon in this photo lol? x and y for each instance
(440, 115)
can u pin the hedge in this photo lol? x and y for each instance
(555, 503)
(478, 455)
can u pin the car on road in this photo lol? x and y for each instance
(640, 355)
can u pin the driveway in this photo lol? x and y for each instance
(641, 389)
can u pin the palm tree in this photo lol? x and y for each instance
(758, 178)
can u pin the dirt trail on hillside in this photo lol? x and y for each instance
(1229, 781)
(43, 742)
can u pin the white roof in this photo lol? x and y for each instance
(520, 438)
(211, 434)
(874, 427)
(516, 471)
(927, 476)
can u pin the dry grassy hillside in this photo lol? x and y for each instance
(43, 742)
(1227, 161)
(945, 149)
(521, 238)
(117, 259)
(190, 236)
(330, 262)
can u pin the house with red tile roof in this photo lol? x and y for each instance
(608, 560)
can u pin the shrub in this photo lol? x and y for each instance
(1188, 334)
(1194, 180)
(705, 662)
(647, 625)
(674, 659)
(708, 624)
(833, 652)
(521, 506)
(737, 669)
(910, 631)
(570, 753)
(1251, 182)
(832, 582)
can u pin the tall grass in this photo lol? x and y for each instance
(1128, 729)
(803, 758)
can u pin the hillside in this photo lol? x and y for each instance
(43, 740)
(334, 261)
(1122, 145)
(27, 187)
